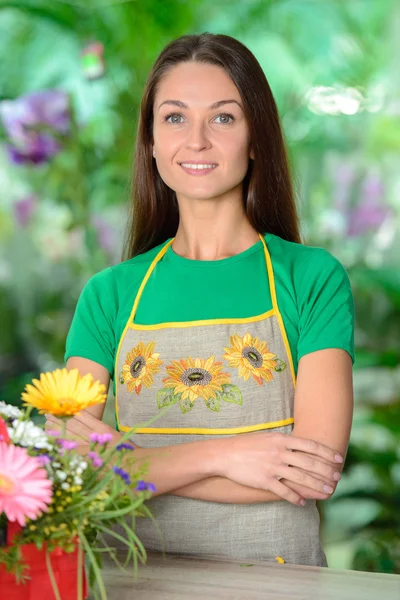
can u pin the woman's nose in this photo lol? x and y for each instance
(197, 137)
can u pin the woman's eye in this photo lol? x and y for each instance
(172, 115)
(225, 116)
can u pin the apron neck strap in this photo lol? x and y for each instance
(164, 250)
(271, 278)
(146, 278)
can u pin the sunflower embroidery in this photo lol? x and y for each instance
(190, 379)
(141, 364)
(196, 378)
(252, 358)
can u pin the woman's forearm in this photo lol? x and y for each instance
(220, 489)
(172, 467)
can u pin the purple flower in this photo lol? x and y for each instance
(95, 458)
(67, 444)
(100, 438)
(52, 432)
(371, 212)
(106, 234)
(344, 178)
(40, 150)
(24, 209)
(142, 486)
(43, 459)
(123, 474)
(24, 120)
(125, 447)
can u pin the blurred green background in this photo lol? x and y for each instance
(71, 80)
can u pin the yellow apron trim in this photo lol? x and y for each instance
(131, 316)
(270, 275)
(207, 431)
(146, 278)
(286, 342)
(276, 309)
(178, 324)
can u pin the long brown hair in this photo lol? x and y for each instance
(267, 187)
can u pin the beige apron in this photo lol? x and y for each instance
(218, 378)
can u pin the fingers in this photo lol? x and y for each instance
(304, 478)
(313, 447)
(286, 493)
(77, 438)
(74, 428)
(52, 419)
(52, 425)
(89, 420)
(308, 462)
(305, 492)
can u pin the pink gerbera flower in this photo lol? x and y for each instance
(25, 489)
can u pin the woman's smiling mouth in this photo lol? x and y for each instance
(197, 168)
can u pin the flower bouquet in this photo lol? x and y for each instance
(56, 505)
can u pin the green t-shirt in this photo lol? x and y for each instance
(312, 287)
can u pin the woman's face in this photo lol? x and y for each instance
(197, 133)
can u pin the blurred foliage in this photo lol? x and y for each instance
(333, 70)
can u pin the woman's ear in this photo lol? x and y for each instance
(251, 152)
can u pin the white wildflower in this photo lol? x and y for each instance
(78, 480)
(61, 475)
(25, 433)
(65, 486)
(8, 411)
(82, 465)
(56, 465)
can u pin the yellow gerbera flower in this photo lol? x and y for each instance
(64, 393)
(251, 357)
(140, 365)
(196, 378)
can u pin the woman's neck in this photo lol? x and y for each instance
(208, 232)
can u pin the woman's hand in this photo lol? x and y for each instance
(259, 460)
(81, 426)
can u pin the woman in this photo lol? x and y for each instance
(220, 321)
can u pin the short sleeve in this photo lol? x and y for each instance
(326, 305)
(92, 331)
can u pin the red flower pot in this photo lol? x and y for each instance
(38, 586)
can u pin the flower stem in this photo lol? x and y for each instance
(80, 569)
(63, 428)
(51, 575)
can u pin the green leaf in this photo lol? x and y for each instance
(231, 393)
(280, 365)
(214, 403)
(186, 405)
(114, 534)
(165, 397)
(112, 514)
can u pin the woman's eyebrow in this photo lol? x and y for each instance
(211, 107)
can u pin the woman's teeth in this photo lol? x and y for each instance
(189, 166)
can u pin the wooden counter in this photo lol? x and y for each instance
(181, 578)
